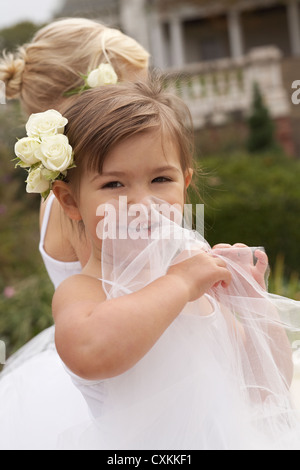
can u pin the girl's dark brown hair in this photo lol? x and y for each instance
(102, 118)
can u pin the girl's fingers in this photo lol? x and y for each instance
(262, 261)
(220, 246)
(225, 282)
(238, 253)
(261, 256)
(217, 284)
(221, 263)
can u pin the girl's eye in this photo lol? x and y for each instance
(112, 184)
(161, 179)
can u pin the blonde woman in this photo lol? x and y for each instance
(47, 74)
(44, 74)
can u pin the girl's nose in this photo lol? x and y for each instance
(139, 196)
(139, 204)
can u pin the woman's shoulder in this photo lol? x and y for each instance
(63, 240)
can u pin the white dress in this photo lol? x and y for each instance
(36, 375)
(58, 270)
(202, 386)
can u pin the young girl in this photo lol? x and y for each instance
(172, 345)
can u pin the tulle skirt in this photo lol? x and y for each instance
(154, 406)
(38, 400)
(184, 395)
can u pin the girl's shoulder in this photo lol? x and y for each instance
(80, 288)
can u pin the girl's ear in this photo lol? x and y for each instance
(188, 177)
(66, 199)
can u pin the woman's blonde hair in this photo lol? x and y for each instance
(41, 72)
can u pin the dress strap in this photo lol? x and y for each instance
(46, 217)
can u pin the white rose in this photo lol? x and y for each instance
(37, 183)
(103, 75)
(48, 123)
(26, 149)
(50, 175)
(55, 153)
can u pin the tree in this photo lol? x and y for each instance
(261, 127)
(21, 33)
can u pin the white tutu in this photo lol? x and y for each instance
(37, 403)
(202, 386)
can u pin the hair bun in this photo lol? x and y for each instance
(11, 73)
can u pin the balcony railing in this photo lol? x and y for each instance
(218, 90)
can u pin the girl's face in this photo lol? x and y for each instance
(143, 166)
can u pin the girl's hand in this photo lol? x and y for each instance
(243, 255)
(200, 273)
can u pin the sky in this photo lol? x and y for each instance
(37, 11)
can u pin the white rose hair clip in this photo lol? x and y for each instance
(103, 75)
(45, 152)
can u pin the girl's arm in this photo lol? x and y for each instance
(98, 338)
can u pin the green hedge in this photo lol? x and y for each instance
(254, 199)
(25, 289)
(25, 310)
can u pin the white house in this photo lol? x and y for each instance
(180, 32)
(214, 50)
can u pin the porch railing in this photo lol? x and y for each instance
(216, 91)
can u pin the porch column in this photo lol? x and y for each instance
(177, 42)
(235, 34)
(134, 21)
(294, 26)
(158, 51)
